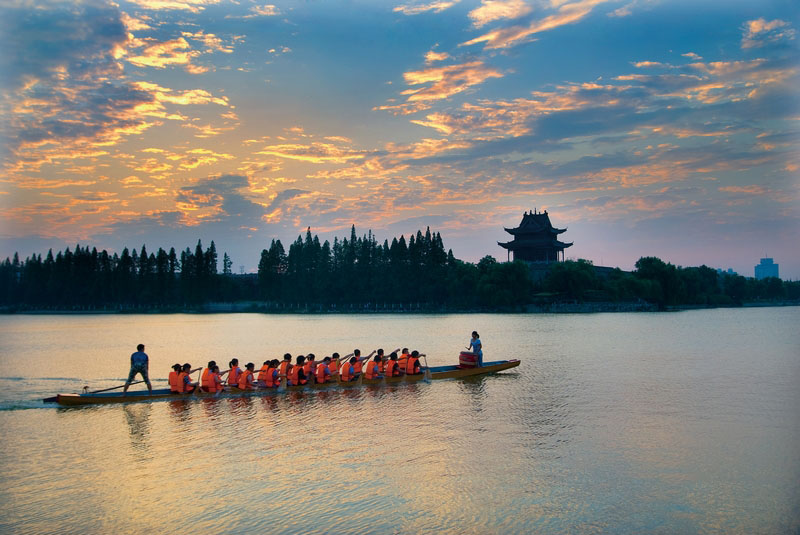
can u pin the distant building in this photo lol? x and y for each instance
(728, 271)
(766, 268)
(535, 239)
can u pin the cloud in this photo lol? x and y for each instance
(167, 53)
(433, 56)
(759, 32)
(568, 13)
(492, 10)
(437, 6)
(194, 6)
(440, 83)
(41, 45)
(315, 152)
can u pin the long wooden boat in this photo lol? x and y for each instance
(433, 373)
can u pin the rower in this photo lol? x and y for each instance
(273, 375)
(333, 365)
(262, 374)
(373, 368)
(206, 371)
(308, 367)
(246, 377)
(297, 374)
(185, 384)
(403, 360)
(173, 378)
(349, 371)
(323, 372)
(212, 383)
(233, 376)
(392, 368)
(413, 367)
(312, 359)
(286, 364)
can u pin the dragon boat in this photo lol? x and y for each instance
(432, 373)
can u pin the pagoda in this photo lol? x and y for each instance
(535, 239)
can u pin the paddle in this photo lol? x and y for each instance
(427, 369)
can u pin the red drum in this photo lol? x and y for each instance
(467, 360)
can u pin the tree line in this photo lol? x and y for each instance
(356, 272)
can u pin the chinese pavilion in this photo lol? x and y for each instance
(535, 239)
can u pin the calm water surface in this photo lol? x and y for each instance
(667, 423)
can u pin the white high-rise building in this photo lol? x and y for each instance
(766, 268)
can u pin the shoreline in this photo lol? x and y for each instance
(265, 308)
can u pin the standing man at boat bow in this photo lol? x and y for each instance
(140, 363)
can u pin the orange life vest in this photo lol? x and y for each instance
(307, 369)
(262, 373)
(372, 370)
(333, 366)
(321, 374)
(391, 369)
(402, 361)
(246, 380)
(207, 382)
(283, 366)
(382, 365)
(412, 363)
(233, 376)
(346, 376)
(173, 381)
(357, 365)
(272, 378)
(204, 375)
(294, 376)
(181, 382)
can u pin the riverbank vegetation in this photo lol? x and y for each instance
(357, 273)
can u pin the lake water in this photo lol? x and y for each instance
(684, 422)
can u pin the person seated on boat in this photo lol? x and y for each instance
(373, 368)
(348, 372)
(312, 359)
(333, 365)
(412, 365)
(173, 378)
(476, 347)
(402, 362)
(206, 371)
(246, 377)
(262, 374)
(297, 375)
(234, 373)
(392, 368)
(323, 372)
(360, 360)
(185, 384)
(286, 365)
(212, 382)
(273, 374)
(308, 367)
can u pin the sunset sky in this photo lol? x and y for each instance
(646, 128)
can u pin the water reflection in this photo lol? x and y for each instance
(137, 415)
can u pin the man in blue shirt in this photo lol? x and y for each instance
(140, 363)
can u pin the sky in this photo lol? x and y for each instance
(643, 127)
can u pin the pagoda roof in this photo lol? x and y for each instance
(538, 244)
(535, 223)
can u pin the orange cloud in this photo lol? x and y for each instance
(508, 37)
(437, 6)
(750, 190)
(447, 81)
(492, 10)
(315, 152)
